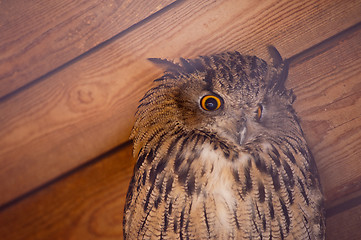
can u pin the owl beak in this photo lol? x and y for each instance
(241, 130)
(242, 135)
(235, 129)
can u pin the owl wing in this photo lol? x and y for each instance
(281, 192)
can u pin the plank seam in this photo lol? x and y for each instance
(354, 202)
(65, 175)
(323, 46)
(92, 50)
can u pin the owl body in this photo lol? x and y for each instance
(221, 155)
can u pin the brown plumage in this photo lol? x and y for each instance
(221, 155)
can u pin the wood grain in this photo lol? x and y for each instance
(87, 204)
(36, 37)
(345, 225)
(327, 83)
(87, 108)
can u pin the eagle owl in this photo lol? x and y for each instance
(221, 155)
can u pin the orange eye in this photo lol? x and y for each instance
(259, 112)
(210, 103)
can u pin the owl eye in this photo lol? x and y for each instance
(210, 103)
(259, 112)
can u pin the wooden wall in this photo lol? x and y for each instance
(72, 72)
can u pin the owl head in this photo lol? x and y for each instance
(237, 98)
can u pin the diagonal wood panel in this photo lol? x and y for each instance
(85, 205)
(86, 109)
(345, 225)
(36, 37)
(327, 83)
(88, 204)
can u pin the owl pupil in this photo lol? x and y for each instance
(211, 104)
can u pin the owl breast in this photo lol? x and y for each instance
(216, 206)
(217, 192)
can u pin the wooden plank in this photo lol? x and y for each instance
(87, 108)
(343, 203)
(38, 36)
(327, 83)
(87, 204)
(345, 225)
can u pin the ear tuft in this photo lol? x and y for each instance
(278, 70)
